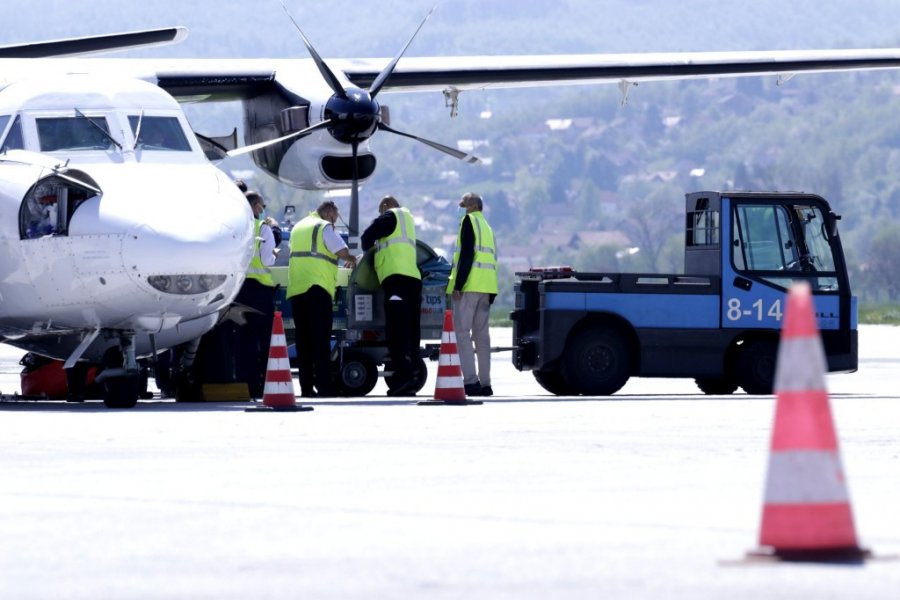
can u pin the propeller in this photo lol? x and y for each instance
(352, 114)
(301, 133)
(469, 158)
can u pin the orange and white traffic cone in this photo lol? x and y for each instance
(806, 514)
(449, 388)
(278, 393)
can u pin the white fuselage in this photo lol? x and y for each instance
(161, 249)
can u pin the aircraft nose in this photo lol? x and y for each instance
(190, 256)
(212, 257)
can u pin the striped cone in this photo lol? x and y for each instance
(278, 393)
(807, 514)
(449, 388)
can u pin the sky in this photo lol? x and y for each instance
(352, 28)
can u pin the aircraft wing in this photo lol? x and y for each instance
(228, 79)
(523, 71)
(212, 79)
(95, 44)
(234, 78)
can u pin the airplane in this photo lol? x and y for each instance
(118, 235)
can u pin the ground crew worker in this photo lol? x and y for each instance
(258, 292)
(312, 271)
(473, 286)
(393, 234)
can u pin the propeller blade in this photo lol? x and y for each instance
(295, 134)
(327, 73)
(469, 158)
(354, 198)
(388, 70)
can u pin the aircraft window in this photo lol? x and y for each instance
(159, 133)
(73, 133)
(13, 139)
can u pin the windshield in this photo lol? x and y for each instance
(781, 244)
(73, 133)
(13, 139)
(158, 133)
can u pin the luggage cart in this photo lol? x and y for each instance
(359, 346)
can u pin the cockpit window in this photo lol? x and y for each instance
(159, 133)
(73, 133)
(13, 139)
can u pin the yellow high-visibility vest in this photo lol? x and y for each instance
(257, 269)
(395, 254)
(483, 276)
(311, 262)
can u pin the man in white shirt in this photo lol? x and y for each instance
(316, 249)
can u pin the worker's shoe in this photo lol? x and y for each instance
(473, 389)
(486, 391)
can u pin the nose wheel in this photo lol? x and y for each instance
(120, 379)
(121, 391)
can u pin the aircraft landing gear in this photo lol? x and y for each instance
(120, 379)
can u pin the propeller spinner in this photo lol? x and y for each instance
(352, 115)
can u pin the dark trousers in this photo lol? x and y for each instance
(312, 324)
(402, 315)
(253, 339)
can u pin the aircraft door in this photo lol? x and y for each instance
(54, 262)
(47, 207)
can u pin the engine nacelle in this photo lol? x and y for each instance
(315, 161)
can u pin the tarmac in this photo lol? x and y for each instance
(655, 492)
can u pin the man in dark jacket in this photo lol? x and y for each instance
(393, 235)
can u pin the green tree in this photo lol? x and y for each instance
(884, 260)
(532, 193)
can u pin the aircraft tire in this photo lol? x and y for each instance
(121, 392)
(187, 389)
